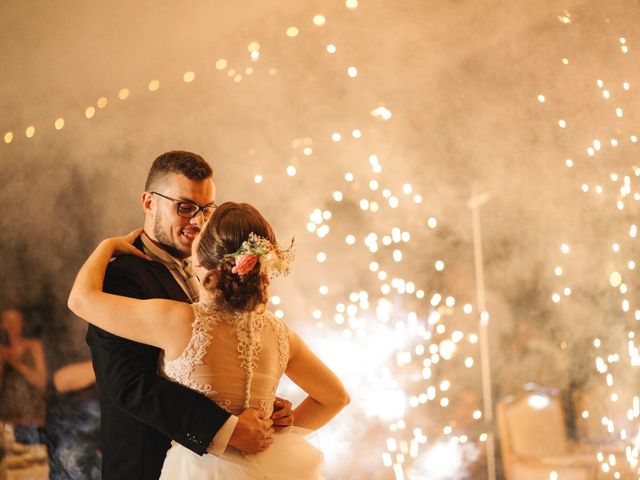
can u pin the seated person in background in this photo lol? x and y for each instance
(22, 378)
(73, 424)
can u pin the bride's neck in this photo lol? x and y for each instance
(205, 295)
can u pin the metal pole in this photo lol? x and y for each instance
(483, 330)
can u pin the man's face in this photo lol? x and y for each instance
(175, 233)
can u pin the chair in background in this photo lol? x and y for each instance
(534, 439)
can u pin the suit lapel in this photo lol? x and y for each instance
(164, 277)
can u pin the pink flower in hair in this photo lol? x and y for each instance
(245, 263)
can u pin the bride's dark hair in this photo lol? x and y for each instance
(229, 226)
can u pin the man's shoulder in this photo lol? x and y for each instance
(127, 264)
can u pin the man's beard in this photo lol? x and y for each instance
(163, 239)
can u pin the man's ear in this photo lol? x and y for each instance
(147, 201)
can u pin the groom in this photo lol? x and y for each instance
(142, 411)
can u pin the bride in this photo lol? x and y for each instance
(227, 346)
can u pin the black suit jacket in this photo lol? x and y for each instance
(141, 411)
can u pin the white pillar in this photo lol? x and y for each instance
(483, 330)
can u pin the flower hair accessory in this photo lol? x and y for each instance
(274, 261)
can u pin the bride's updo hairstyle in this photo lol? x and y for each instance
(229, 226)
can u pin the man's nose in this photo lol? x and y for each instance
(197, 219)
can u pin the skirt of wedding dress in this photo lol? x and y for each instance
(290, 457)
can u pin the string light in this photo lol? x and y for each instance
(351, 4)
(319, 20)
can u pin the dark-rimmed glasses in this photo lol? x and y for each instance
(189, 209)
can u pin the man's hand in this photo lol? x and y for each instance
(253, 432)
(282, 415)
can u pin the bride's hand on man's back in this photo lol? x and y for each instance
(123, 245)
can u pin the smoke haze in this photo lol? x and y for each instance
(461, 80)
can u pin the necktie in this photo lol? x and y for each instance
(192, 281)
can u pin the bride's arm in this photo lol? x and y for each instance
(158, 322)
(326, 394)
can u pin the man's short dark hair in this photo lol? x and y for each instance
(189, 164)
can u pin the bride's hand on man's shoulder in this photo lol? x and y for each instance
(123, 245)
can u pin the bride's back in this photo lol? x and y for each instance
(235, 358)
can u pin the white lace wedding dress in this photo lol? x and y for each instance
(237, 359)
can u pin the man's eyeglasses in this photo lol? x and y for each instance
(190, 209)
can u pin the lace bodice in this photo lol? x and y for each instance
(236, 359)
